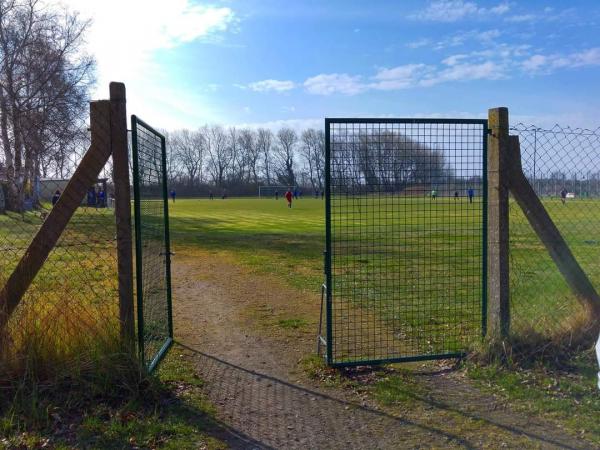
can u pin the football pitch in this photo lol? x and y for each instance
(410, 268)
(423, 260)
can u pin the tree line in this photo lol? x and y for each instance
(236, 161)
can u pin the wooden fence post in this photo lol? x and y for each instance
(498, 313)
(120, 154)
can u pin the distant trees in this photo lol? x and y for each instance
(284, 156)
(237, 160)
(386, 161)
(44, 82)
(312, 149)
(189, 149)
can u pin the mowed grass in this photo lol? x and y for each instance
(408, 264)
(396, 262)
(263, 233)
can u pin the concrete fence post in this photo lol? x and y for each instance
(498, 313)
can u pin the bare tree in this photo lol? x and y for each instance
(284, 155)
(219, 156)
(237, 168)
(313, 151)
(44, 82)
(252, 152)
(188, 148)
(264, 143)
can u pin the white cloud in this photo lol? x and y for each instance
(520, 18)
(548, 63)
(298, 125)
(400, 77)
(488, 70)
(453, 59)
(589, 57)
(419, 43)
(502, 8)
(547, 14)
(272, 85)
(487, 37)
(455, 10)
(126, 44)
(331, 83)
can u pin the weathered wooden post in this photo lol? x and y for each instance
(498, 313)
(120, 155)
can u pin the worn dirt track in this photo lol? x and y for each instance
(264, 400)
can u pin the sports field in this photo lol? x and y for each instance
(289, 243)
(401, 279)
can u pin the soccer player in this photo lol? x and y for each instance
(276, 195)
(288, 197)
(455, 195)
(470, 193)
(563, 196)
(433, 194)
(173, 194)
(55, 197)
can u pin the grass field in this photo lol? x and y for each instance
(402, 267)
(431, 256)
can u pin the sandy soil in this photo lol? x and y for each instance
(226, 319)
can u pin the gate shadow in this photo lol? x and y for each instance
(262, 411)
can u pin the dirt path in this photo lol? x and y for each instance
(226, 318)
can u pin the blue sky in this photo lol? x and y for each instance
(271, 62)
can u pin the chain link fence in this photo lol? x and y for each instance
(563, 166)
(69, 315)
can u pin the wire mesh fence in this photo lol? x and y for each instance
(405, 238)
(70, 311)
(563, 166)
(155, 329)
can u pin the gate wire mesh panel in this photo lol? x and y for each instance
(405, 255)
(68, 319)
(563, 166)
(155, 329)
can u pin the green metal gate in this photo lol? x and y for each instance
(405, 258)
(152, 245)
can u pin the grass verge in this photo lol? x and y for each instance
(163, 411)
(567, 395)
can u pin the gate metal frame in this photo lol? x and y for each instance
(153, 363)
(327, 293)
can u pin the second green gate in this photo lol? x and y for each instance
(405, 238)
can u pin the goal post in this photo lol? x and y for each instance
(269, 191)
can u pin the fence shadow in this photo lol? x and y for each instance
(266, 412)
